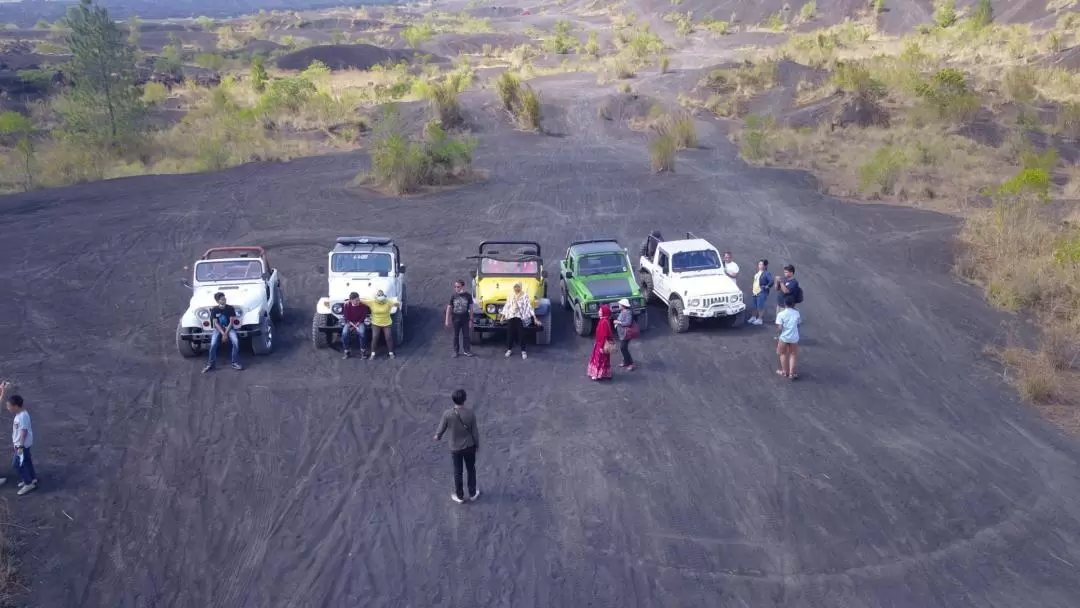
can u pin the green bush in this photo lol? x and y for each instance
(948, 97)
(154, 93)
(754, 137)
(398, 163)
(288, 94)
(854, 78)
(662, 149)
(562, 42)
(508, 87)
(945, 14)
(880, 174)
(443, 100)
(415, 35)
(682, 128)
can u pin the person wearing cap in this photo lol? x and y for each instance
(763, 282)
(353, 313)
(622, 322)
(515, 312)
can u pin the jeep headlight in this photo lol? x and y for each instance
(491, 309)
(695, 303)
(737, 298)
(239, 311)
(593, 307)
(337, 308)
(203, 314)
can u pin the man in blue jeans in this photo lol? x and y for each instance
(222, 316)
(353, 314)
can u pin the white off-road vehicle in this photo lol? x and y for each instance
(688, 276)
(251, 286)
(366, 265)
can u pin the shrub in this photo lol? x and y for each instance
(948, 97)
(1020, 84)
(415, 35)
(288, 94)
(528, 109)
(945, 14)
(154, 93)
(592, 45)
(808, 10)
(508, 87)
(754, 137)
(855, 78)
(402, 165)
(443, 101)
(716, 27)
(662, 149)
(562, 42)
(881, 172)
(682, 128)
(664, 64)
(397, 163)
(20, 127)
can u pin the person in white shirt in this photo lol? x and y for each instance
(787, 337)
(730, 267)
(22, 437)
(515, 312)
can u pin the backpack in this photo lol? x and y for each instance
(798, 294)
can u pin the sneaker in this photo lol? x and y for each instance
(27, 489)
(21, 483)
(475, 495)
(237, 366)
(468, 353)
(3, 480)
(524, 355)
(391, 354)
(208, 368)
(454, 355)
(371, 356)
(454, 497)
(630, 367)
(345, 355)
(507, 355)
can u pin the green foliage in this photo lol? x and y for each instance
(1020, 84)
(562, 42)
(443, 100)
(528, 109)
(415, 35)
(154, 93)
(204, 22)
(983, 15)
(592, 45)
(21, 127)
(855, 78)
(402, 165)
(754, 138)
(41, 25)
(681, 128)
(662, 149)
(1045, 162)
(808, 11)
(508, 87)
(775, 22)
(104, 103)
(715, 26)
(948, 97)
(289, 94)
(133, 30)
(665, 64)
(878, 6)
(945, 14)
(210, 61)
(259, 77)
(880, 173)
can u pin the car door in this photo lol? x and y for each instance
(662, 278)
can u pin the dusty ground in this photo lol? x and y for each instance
(899, 471)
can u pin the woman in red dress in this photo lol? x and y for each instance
(600, 361)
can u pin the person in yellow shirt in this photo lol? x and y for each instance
(763, 281)
(381, 321)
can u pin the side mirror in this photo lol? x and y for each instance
(543, 273)
(401, 269)
(320, 269)
(568, 274)
(185, 283)
(473, 273)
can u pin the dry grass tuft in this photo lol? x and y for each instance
(662, 149)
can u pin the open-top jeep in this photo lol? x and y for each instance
(499, 265)
(366, 265)
(250, 285)
(688, 276)
(595, 273)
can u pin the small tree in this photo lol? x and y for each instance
(983, 15)
(15, 124)
(104, 103)
(258, 74)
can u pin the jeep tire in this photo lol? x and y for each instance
(263, 344)
(643, 320)
(187, 348)
(564, 297)
(398, 321)
(543, 335)
(277, 313)
(320, 338)
(679, 322)
(583, 326)
(646, 289)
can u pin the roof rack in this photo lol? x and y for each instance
(365, 240)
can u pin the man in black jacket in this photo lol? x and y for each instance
(464, 441)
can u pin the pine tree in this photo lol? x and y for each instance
(104, 101)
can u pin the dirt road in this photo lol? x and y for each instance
(899, 471)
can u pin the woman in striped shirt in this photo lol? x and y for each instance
(515, 312)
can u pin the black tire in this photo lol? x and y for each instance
(320, 338)
(646, 289)
(643, 320)
(277, 313)
(543, 335)
(564, 297)
(187, 348)
(263, 344)
(476, 336)
(679, 322)
(398, 322)
(583, 326)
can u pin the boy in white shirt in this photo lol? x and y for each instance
(22, 437)
(787, 337)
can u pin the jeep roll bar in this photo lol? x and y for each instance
(612, 240)
(234, 252)
(375, 241)
(532, 243)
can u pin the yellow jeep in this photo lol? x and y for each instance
(500, 264)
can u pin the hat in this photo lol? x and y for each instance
(624, 303)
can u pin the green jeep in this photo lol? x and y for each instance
(598, 272)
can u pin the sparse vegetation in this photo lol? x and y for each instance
(402, 166)
(520, 101)
(662, 149)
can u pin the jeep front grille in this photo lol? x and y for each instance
(713, 301)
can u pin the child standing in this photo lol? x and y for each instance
(22, 436)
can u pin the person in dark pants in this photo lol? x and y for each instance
(622, 323)
(464, 442)
(459, 317)
(22, 437)
(515, 312)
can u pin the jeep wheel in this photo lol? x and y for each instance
(278, 311)
(564, 298)
(583, 326)
(543, 335)
(678, 321)
(187, 348)
(320, 338)
(646, 290)
(399, 328)
(643, 320)
(263, 344)
(475, 336)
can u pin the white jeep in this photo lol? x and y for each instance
(365, 265)
(251, 286)
(688, 276)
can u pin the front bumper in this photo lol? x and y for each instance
(333, 325)
(203, 336)
(484, 324)
(715, 311)
(595, 314)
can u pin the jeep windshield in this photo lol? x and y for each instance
(604, 263)
(361, 263)
(228, 270)
(695, 261)
(527, 268)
